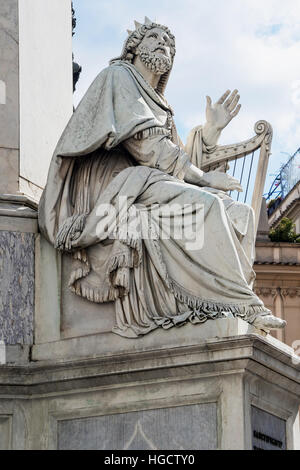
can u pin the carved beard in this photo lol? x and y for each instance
(156, 63)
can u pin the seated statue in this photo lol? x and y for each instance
(125, 199)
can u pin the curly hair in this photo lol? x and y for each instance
(136, 37)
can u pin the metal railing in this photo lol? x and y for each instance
(284, 182)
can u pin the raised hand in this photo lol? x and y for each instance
(219, 115)
(223, 111)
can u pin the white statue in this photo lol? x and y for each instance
(117, 169)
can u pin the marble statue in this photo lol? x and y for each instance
(117, 169)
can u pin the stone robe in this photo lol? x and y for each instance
(121, 150)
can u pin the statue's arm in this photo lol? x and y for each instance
(158, 151)
(211, 179)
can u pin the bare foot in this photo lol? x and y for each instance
(268, 322)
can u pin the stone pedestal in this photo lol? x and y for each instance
(214, 386)
(18, 232)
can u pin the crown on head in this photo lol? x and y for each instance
(139, 25)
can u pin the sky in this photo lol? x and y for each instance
(251, 45)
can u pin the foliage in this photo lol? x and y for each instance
(285, 232)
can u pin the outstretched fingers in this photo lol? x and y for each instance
(230, 98)
(223, 97)
(236, 111)
(209, 101)
(233, 104)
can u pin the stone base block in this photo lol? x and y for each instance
(109, 344)
(177, 389)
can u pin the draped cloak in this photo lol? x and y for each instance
(154, 280)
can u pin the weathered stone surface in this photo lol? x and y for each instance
(18, 224)
(183, 427)
(16, 287)
(47, 292)
(17, 214)
(109, 344)
(79, 317)
(9, 165)
(5, 432)
(53, 404)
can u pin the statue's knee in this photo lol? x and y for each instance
(217, 201)
(210, 197)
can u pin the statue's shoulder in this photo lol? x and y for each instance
(111, 76)
(116, 69)
(113, 79)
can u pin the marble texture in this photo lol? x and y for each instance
(16, 287)
(182, 427)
